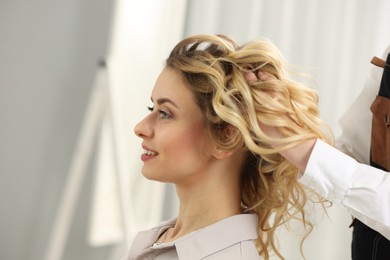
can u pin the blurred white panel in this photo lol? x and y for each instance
(144, 32)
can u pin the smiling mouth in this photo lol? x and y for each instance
(150, 153)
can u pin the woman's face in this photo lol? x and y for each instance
(177, 147)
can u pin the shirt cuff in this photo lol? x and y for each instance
(329, 172)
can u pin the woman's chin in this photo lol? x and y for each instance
(150, 176)
(155, 177)
(147, 176)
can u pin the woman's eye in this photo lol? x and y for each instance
(164, 115)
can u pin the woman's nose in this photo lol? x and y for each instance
(137, 129)
(142, 129)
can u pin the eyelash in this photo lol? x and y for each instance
(162, 113)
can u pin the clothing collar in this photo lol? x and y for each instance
(203, 242)
(218, 236)
(145, 239)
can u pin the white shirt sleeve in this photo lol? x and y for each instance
(361, 189)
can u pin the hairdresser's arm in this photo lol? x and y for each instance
(363, 190)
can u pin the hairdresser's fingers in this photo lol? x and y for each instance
(250, 77)
(264, 76)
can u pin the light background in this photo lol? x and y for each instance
(49, 51)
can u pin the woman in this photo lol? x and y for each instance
(206, 133)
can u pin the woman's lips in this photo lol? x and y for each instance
(148, 154)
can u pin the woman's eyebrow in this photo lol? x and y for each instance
(161, 101)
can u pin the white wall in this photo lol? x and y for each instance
(48, 58)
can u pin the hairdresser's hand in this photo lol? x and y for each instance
(298, 155)
(252, 78)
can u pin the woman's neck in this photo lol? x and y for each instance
(206, 202)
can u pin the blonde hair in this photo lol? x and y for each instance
(215, 67)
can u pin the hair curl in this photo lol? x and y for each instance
(215, 67)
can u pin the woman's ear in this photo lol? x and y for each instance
(221, 153)
(226, 135)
